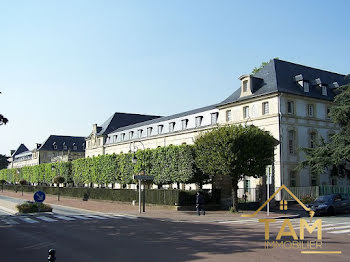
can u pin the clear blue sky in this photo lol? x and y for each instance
(65, 65)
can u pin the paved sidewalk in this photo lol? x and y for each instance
(152, 211)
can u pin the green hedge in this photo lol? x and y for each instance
(171, 164)
(153, 196)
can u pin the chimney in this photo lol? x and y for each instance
(38, 146)
(94, 128)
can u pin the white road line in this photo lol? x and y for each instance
(28, 220)
(10, 222)
(81, 217)
(341, 231)
(64, 218)
(336, 228)
(97, 217)
(47, 219)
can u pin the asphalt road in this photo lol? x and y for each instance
(144, 239)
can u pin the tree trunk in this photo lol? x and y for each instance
(234, 195)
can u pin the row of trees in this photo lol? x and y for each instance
(235, 151)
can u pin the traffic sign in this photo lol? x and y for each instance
(143, 177)
(39, 196)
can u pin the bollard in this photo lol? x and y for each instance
(52, 257)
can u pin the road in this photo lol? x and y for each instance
(79, 235)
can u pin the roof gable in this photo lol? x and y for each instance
(22, 148)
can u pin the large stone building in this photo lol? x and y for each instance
(54, 149)
(290, 101)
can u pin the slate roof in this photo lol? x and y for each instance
(279, 76)
(69, 141)
(22, 148)
(118, 120)
(165, 118)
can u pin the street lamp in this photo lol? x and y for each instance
(134, 161)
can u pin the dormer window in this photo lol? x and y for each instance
(199, 121)
(245, 85)
(184, 123)
(64, 146)
(228, 116)
(160, 129)
(131, 134)
(171, 126)
(122, 136)
(139, 133)
(214, 118)
(149, 131)
(75, 146)
(306, 87)
(324, 90)
(54, 145)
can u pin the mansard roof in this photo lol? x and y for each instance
(60, 141)
(22, 148)
(118, 120)
(282, 76)
(165, 118)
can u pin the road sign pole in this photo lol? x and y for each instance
(140, 195)
(144, 199)
(268, 196)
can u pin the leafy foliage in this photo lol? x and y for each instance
(172, 164)
(3, 162)
(334, 155)
(235, 151)
(257, 69)
(32, 207)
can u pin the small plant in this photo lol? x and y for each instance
(33, 207)
(307, 199)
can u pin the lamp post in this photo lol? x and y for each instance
(134, 161)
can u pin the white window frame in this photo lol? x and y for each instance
(198, 121)
(184, 123)
(228, 115)
(160, 129)
(324, 90)
(265, 108)
(214, 118)
(245, 86)
(171, 126)
(149, 131)
(246, 112)
(139, 133)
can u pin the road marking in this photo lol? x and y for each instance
(97, 217)
(64, 218)
(47, 219)
(9, 221)
(341, 231)
(28, 220)
(335, 228)
(81, 217)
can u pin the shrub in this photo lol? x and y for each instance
(32, 207)
(307, 199)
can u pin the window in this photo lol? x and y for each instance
(290, 107)
(64, 147)
(246, 112)
(306, 87)
(149, 131)
(184, 123)
(328, 110)
(171, 126)
(265, 108)
(214, 118)
(310, 110)
(291, 142)
(75, 147)
(131, 134)
(122, 136)
(245, 86)
(292, 179)
(312, 140)
(160, 129)
(139, 133)
(199, 121)
(54, 145)
(228, 116)
(115, 138)
(324, 90)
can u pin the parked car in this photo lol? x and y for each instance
(331, 204)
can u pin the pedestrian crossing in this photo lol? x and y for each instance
(327, 226)
(49, 218)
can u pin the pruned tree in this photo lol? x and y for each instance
(235, 151)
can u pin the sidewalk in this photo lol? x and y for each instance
(152, 211)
